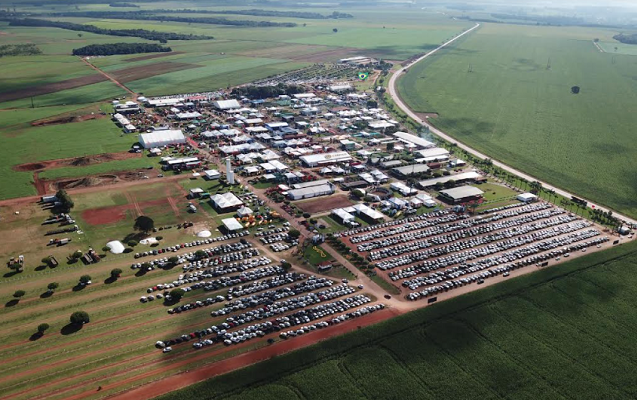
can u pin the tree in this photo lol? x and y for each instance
(85, 279)
(46, 261)
(144, 224)
(52, 286)
(200, 254)
(77, 254)
(42, 328)
(334, 30)
(358, 193)
(66, 204)
(286, 265)
(80, 318)
(132, 243)
(575, 89)
(294, 234)
(390, 146)
(19, 293)
(79, 35)
(177, 294)
(173, 260)
(372, 104)
(115, 273)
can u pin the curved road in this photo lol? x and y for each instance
(394, 94)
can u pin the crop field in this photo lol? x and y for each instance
(506, 90)
(27, 144)
(529, 335)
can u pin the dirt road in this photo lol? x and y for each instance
(110, 78)
(394, 95)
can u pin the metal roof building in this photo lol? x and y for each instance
(418, 141)
(463, 177)
(161, 138)
(313, 160)
(462, 194)
(226, 104)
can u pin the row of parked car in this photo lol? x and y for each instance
(506, 269)
(455, 231)
(334, 321)
(194, 243)
(454, 243)
(270, 283)
(274, 231)
(268, 298)
(366, 233)
(407, 229)
(457, 256)
(221, 332)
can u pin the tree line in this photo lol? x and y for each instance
(120, 48)
(145, 16)
(140, 33)
(124, 5)
(630, 38)
(259, 13)
(28, 49)
(263, 92)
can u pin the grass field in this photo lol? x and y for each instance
(530, 335)
(515, 109)
(32, 144)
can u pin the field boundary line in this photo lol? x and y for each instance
(110, 78)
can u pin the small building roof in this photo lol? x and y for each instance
(232, 224)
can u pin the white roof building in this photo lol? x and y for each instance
(161, 138)
(418, 141)
(226, 104)
(465, 176)
(314, 160)
(232, 224)
(226, 200)
(343, 215)
(212, 174)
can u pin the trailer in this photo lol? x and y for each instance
(49, 199)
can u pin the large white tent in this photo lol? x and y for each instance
(161, 138)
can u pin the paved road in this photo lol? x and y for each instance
(394, 94)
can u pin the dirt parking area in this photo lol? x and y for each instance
(324, 204)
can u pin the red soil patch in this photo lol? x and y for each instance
(66, 119)
(76, 161)
(324, 204)
(147, 71)
(51, 87)
(151, 56)
(112, 214)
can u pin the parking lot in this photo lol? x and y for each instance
(442, 252)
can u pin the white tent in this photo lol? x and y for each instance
(204, 234)
(232, 224)
(161, 138)
(116, 247)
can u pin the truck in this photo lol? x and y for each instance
(49, 199)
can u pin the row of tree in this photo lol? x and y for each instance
(140, 33)
(28, 49)
(110, 49)
(123, 5)
(145, 16)
(259, 13)
(630, 38)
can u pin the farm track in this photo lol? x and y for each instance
(110, 78)
(393, 92)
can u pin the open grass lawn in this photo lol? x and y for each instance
(514, 109)
(495, 192)
(315, 255)
(558, 331)
(32, 144)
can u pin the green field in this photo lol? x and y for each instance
(515, 109)
(529, 336)
(26, 144)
